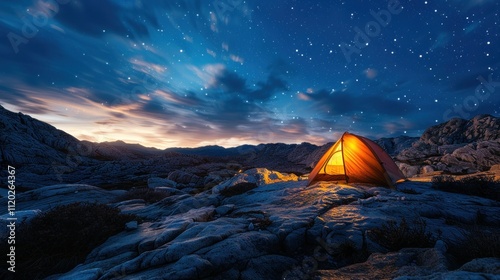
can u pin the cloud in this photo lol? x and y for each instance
(268, 88)
(187, 99)
(212, 53)
(237, 59)
(471, 27)
(469, 4)
(39, 107)
(229, 113)
(154, 106)
(231, 108)
(397, 127)
(441, 41)
(32, 100)
(469, 81)
(77, 67)
(229, 81)
(208, 74)
(98, 17)
(34, 57)
(303, 96)
(118, 115)
(145, 66)
(294, 127)
(339, 103)
(370, 73)
(280, 67)
(51, 59)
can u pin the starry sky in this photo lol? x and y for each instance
(170, 73)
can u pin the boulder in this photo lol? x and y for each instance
(224, 209)
(267, 267)
(483, 265)
(480, 155)
(295, 240)
(170, 191)
(185, 178)
(426, 169)
(156, 182)
(188, 267)
(258, 176)
(47, 197)
(212, 180)
(237, 250)
(495, 168)
(409, 261)
(408, 170)
(22, 216)
(484, 268)
(132, 225)
(394, 146)
(89, 274)
(417, 152)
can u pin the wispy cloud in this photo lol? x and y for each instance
(441, 41)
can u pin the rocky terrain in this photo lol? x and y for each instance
(457, 147)
(247, 213)
(278, 230)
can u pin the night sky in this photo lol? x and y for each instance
(231, 72)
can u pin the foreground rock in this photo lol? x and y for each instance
(257, 176)
(278, 231)
(413, 264)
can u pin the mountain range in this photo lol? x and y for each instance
(45, 155)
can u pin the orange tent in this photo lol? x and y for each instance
(356, 159)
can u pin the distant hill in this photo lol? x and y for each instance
(212, 151)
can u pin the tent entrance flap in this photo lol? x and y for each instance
(335, 165)
(334, 169)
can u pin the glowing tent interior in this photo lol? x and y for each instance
(356, 159)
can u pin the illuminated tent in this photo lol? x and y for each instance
(356, 159)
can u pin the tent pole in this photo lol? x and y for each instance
(343, 161)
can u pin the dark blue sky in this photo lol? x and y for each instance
(229, 72)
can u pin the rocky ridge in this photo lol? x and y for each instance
(457, 147)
